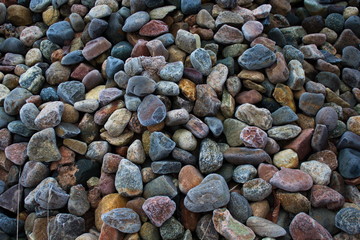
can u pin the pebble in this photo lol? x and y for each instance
(160, 146)
(78, 203)
(349, 163)
(136, 21)
(256, 189)
(257, 57)
(323, 196)
(210, 194)
(346, 219)
(253, 137)
(60, 33)
(159, 209)
(128, 180)
(244, 173)
(265, 228)
(42, 146)
(292, 180)
(252, 115)
(201, 61)
(71, 91)
(303, 225)
(230, 228)
(125, 220)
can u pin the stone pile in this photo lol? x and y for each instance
(179, 119)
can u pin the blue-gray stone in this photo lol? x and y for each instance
(67, 130)
(347, 219)
(167, 39)
(122, 50)
(328, 79)
(97, 27)
(140, 86)
(9, 225)
(66, 226)
(58, 3)
(201, 61)
(215, 125)
(114, 30)
(284, 115)
(72, 58)
(166, 167)
(124, 12)
(210, 157)
(239, 207)
(51, 196)
(132, 102)
(113, 65)
(172, 71)
(328, 57)
(310, 103)
(244, 173)
(257, 57)
(349, 140)
(351, 57)
(183, 156)
(39, 6)
(71, 92)
(160, 146)
(49, 94)
(136, 21)
(5, 118)
(2, 186)
(60, 33)
(351, 77)
(160, 186)
(211, 193)
(353, 24)
(349, 163)
(154, 3)
(47, 48)
(28, 113)
(13, 45)
(15, 100)
(292, 53)
(190, 6)
(167, 88)
(151, 111)
(335, 21)
(18, 127)
(125, 220)
(277, 36)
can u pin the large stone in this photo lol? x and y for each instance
(125, 220)
(212, 193)
(128, 180)
(252, 115)
(347, 219)
(257, 57)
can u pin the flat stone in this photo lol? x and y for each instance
(264, 227)
(257, 57)
(136, 21)
(244, 155)
(125, 220)
(284, 132)
(212, 193)
(292, 180)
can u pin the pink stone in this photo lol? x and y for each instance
(228, 35)
(266, 171)
(17, 153)
(107, 183)
(81, 71)
(30, 34)
(156, 48)
(278, 72)
(111, 162)
(323, 196)
(253, 137)
(305, 227)
(154, 28)
(5, 138)
(270, 44)
(108, 95)
(262, 11)
(79, 9)
(292, 180)
(95, 48)
(252, 29)
(159, 209)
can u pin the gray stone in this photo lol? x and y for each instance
(160, 146)
(210, 157)
(201, 61)
(257, 57)
(128, 180)
(65, 226)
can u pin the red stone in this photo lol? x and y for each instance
(323, 196)
(35, 99)
(67, 157)
(305, 227)
(266, 171)
(159, 209)
(79, 9)
(278, 72)
(110, 233)
(81, 71)
(154, 28)
(94, 197)
(189, 177)
(95, 48)
(188, 219)
(140, 49)
(156, 48)
(111, 162)
(302, 143)
(17, 153)
(270, 44)
(292, 180)
(107, 183)
(92, 79)
(253, 137)
(102, 115)
(252, 97)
